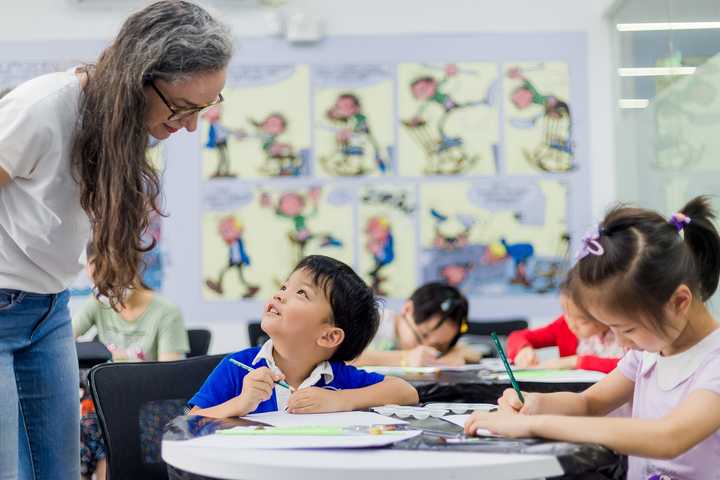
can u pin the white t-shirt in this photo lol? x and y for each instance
(43, 229)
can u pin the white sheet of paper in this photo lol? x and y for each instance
(461, 419)
(279, 442)
(565, 376)
(339, 419)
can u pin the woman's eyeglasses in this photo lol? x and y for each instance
(181, 113)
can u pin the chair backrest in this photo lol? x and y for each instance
(134, 401)
(503, 327)
(479, 333)
(255, 334)
(199, 339)
(92, 353)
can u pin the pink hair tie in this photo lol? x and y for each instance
(590, 245)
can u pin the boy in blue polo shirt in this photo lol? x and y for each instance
(323, 316)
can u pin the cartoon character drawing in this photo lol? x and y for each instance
(354, 140)
(555, 153)
(456, 273)
(445, 154)
(297, 208)
(520, 254)
(231, 231)
(217, 139)
(381, 245)
(451, 234)
(280, 158)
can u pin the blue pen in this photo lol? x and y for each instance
(282, 383)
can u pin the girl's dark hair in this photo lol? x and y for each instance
(353, 305)
(171, 40)
(645, 259)
(437, 298)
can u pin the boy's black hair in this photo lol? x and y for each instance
(644, 259)
(353, 305)
(440, 298)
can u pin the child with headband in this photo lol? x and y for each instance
(647, 279)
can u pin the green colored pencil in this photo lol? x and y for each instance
(282, 383)
(504, 359)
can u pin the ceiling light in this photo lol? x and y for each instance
(655, 71)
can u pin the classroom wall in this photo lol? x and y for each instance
(57, 19)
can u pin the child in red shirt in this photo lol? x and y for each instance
(583, 342)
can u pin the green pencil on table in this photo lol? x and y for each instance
(501, 354)
(282, 383)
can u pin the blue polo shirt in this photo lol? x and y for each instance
(225, 382)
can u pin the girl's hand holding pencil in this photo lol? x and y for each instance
(502, 423)
(510, 403)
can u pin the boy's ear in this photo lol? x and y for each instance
(331, 338)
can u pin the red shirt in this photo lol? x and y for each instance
(558, 334)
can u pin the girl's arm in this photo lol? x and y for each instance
(537, 338)
(376, 357)
(691, 422)
(170, 356)
(602, 398)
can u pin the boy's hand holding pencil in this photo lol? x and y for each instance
(257, 387)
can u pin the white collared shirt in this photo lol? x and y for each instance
(282, 395)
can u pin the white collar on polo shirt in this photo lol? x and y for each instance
(322, 369)
(675, 369)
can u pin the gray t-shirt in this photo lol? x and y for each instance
(159, 329)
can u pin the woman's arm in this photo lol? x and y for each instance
(4, 177)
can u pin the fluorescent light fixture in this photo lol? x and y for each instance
(655, 71)
(633, 103)
(650, 27)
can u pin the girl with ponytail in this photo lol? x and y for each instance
(647, 278)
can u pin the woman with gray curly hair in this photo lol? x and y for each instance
(73, 166)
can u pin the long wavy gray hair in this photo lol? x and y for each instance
(170, 40)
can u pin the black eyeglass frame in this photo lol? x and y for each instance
(182, 113)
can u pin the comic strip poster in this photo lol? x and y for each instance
(388, 247)
(448, 115)
(538, 118)
(496, 237)
(354, 113)
(262, 127)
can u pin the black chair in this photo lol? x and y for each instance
(134, 402)
(502, 327)
(199, 339)
(91, 354)
(479, 332)
(255, 334)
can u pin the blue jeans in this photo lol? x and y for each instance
(39, 412)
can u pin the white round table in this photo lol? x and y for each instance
(348, 464)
